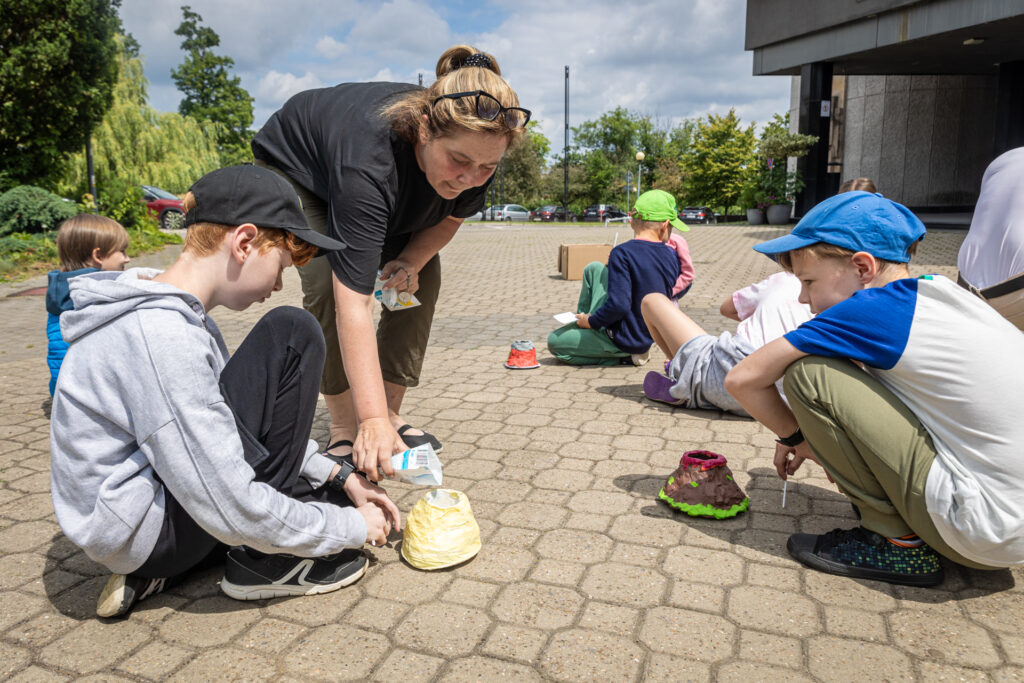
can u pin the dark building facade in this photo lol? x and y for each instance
(918, 95)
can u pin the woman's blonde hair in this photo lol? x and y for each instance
(451, 116)
(204, 239)
(80, 235)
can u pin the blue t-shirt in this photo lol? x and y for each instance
(957, 365)
(635, 269)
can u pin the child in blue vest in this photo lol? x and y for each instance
(85, 243)
(609, 327)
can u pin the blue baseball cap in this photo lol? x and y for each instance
(859, 221)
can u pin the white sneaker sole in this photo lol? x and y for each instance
(267, 591)
(111, 597)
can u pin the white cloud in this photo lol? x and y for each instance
(665, 58)
(276, 87)
(330, 48)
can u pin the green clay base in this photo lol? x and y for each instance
(704, 510)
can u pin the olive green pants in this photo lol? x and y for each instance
(576, 345)
(402, 336)
(873, 446)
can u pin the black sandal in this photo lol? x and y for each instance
(342, 442)
(414, 440)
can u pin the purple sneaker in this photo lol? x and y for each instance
(656, 386)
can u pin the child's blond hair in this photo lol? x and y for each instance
(824, 250)
(204, 239)
(79, 236)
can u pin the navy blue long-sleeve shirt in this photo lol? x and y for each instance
(635, 269)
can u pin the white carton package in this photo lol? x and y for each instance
(419, 466)
(392, 299)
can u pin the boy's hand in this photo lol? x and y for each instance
(375, 443)
(377, 526)
(361, 492)
(401, 275)
(786, 466)
(583, 320)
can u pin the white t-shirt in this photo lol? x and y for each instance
(993, 250)
(769, 309)
(957, 364)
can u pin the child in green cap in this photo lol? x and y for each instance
(609, 327)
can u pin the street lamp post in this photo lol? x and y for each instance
(639, 171)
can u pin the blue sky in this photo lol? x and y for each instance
(671, 59)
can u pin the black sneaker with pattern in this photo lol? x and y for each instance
(123, 591)
(251, 575)
(863, 554)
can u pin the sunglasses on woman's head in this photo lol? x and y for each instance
(489, 108)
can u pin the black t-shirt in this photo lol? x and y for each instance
(335, 143)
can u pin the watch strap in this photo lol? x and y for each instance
(337, 483)
(794, 439)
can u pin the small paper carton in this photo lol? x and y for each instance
(573, 257)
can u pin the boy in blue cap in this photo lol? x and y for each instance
(925, 435)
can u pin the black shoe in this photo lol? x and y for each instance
(122, 592)
(249, 575)
(862, 554)
(414, 440)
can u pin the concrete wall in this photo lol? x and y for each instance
(924, 140)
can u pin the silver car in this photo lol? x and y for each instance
(502, 212)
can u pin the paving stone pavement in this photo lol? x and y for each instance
(583, 575)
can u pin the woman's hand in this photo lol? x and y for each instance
(400, 274)
(583, 320)
(375, 443)
(362, 492)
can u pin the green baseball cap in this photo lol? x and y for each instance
(658, 205)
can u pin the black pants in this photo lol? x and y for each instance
(271, 384)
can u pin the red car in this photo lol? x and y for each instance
(164, 206)
(551, 213)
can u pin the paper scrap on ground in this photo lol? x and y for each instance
(565, 318)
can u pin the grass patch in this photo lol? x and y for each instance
(23, 255)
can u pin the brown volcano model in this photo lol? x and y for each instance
(703, 486)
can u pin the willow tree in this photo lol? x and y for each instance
(137, 144)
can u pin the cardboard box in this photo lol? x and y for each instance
(573, 257)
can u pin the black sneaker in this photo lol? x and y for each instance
(122, 592)
(249, 575)
(862, 554)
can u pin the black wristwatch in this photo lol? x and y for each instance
(347, 468)
(794, 439)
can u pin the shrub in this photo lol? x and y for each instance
(32, 209)
(122, 201)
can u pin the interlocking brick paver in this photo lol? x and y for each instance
(581, 655)
(583, 573)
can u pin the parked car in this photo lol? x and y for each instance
(503, 212)
(551, 212)
(603, 212)
(698, 214)
(164, 206)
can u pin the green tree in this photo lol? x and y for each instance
(721, 151)
(57, 70)
(608, 148)
(524, 167)
(138, 145)
(671, 172)
(211, 92)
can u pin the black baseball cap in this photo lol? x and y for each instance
(249, 194)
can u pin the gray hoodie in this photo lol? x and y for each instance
(138, 408)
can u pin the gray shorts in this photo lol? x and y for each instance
(699, 369)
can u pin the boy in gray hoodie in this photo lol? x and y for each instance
(164, 448)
